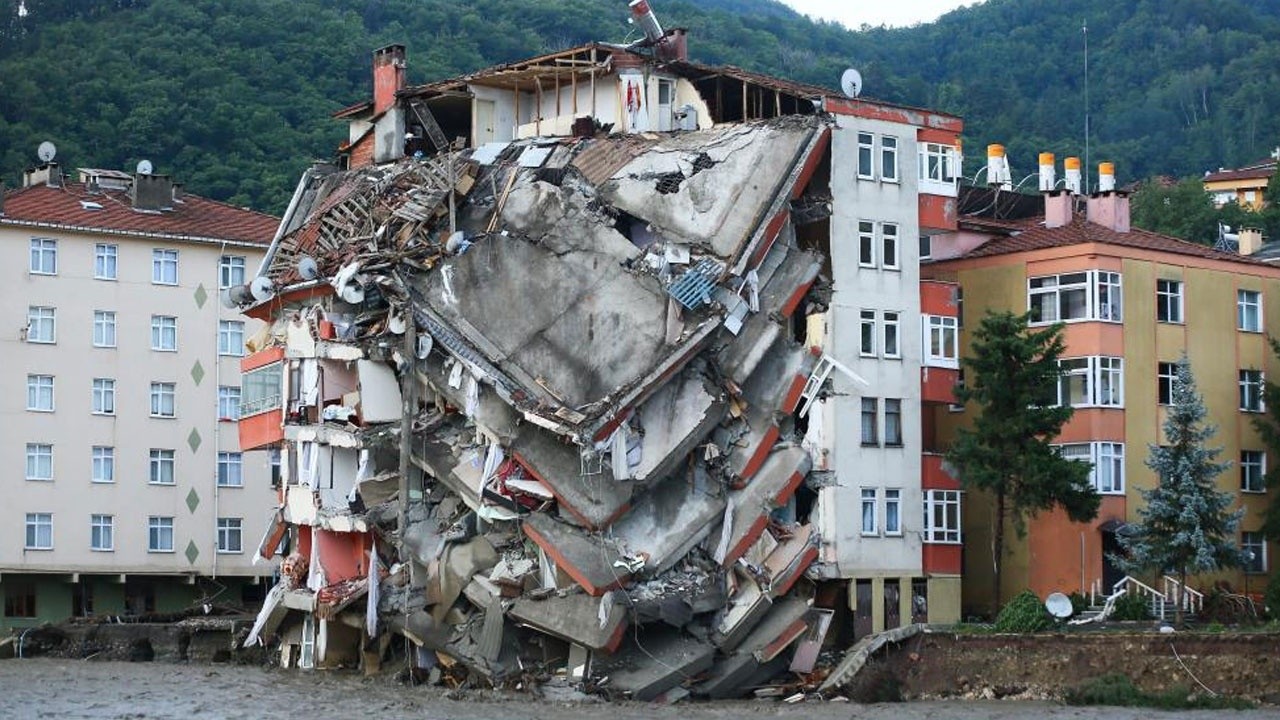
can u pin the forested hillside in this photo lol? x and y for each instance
(233, 97)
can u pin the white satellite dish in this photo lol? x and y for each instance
(47, 151)
(144, 167)
(308, 269)
(262, 288)
(352, 294)
(851, 83)
(425, 343)
(1058, 605)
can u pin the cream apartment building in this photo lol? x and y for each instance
(124, 488)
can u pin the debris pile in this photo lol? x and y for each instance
(592, 345)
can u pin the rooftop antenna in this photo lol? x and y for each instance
(1084, 28)
(47, 151)
(851, 83)
(144, 167)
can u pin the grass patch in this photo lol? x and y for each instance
(1118, 690)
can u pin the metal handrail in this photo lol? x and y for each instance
(1151, 592)
(1191, 600)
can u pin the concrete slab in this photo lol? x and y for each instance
(675, 419)
(586, 557)
(670, 519)
(749, 507)
(781, 626)
(790, 559)
(594, 501)
(746, 607)
(771, 391)
(666, 660)
(596, 623)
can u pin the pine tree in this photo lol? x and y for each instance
(1268, 426)
(1186, 526)
(1012, 376)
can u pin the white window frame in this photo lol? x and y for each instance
(938, 517)
(938, 169)
(890, 249)
(1249, 311)
(164, 333)
(164, 400)
(230, 529)
(42, 324)
(869, 519)
(866, 156)
(38, 386)
(866, 244)
(231, 271)
(1107, 473)
(867, 333)
(39, 462)
(102, 466)
(44, 257)
(1103, 295)
(1251, 383)
(230, 469)
(106, 258)
(104, 328)
(1169, 301)
(1099, 372)
(926, 246)
(164, 266)
(1253, 471)
(893, 425)
(35, 522)
(1164, 378)
(869, 408)
(1249, 540)
(893, 511)
(229, 403)
(941, 341)
(889, 171)
(102, 531)
(891, 335)
(231, 338)
(162, 467)
(260, 389)
(104, 396)
(160, 528)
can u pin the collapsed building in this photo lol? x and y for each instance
(568, 369)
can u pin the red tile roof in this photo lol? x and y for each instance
(192, 218)
(1081, 231)
(1257, 173)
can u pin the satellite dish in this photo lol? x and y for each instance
(262, 288)
(144, 167)
(1058, 605)
(851, 83)
(227, 301)
(47, 151)
(425, 343)
(308, 269)
(396, 324)
(239, 295)
(352, 294)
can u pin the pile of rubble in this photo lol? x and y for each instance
(595, 344)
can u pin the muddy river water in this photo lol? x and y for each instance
(48, 688)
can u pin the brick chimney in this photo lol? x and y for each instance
(1058, 207)
(674, 46)
(151, 192)
(1250, 240)
(388, 76)
(1109, 207)
(47, 174)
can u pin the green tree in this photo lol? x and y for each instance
(1183, 210)
(1012, 378)
(1268, 427)
(1186, 525)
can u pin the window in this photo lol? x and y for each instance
(104, 396)
(892, 512)
(1090, 295)
(161, 467)
(889, 159)
(164, 267)
(39, 461)
(159, 534)
(230, 470)
(104, 328)
(866, 151)
(1107, 458)
(1251, 390)
(867, 333)
(926, 247)
(1168, 301)
(230, 271)
(164, 333)
(938, 168)
(889, 245)
(230, 337)
(1253, 470)
(19, 598)
(104, 464)
(229, 535)
(942, 341)
(866, 244)
(942, 516)
(957, 407)
(104, 261)
(889, 320)
(162, 402)
(40, 393)
(893, 422)
(870, 413)
(44, 256)
(1091, 381)
(1165, 374)
(102, 533)
(273, 461)
(228, 402)
(42, 324)
(1249, 310)
(869, 511)
(39, 531)
(959, 306)
(260, 390)
(1253, 546)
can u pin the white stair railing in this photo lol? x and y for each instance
(1157, 599)
(1192, 600)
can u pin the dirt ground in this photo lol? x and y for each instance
(50, 688)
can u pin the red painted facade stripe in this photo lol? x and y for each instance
(761, 453)
(807, 558)
(794, 301)
(792, 398)
(572, 571)
(753, 534)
